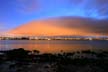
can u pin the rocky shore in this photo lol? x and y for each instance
(20, 60)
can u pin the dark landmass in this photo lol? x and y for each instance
(55, 38)
(20, 60)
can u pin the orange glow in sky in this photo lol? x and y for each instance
(54, 27)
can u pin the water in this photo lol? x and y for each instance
(53, 46)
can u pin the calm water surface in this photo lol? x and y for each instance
(53, 46)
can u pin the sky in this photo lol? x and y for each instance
(14, 13)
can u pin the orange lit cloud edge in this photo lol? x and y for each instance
(63, 26)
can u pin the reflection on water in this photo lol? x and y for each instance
(53, 46)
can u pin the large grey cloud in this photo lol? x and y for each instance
(64, 26)
(86, 24)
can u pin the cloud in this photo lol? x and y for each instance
(64, 26)
(87, 25)
(92, 7)
(28, 6)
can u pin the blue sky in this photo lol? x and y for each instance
(16, 12)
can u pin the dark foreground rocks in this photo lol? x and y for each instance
(20, 60)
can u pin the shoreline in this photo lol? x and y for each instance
(61, 39)
(20, 60)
